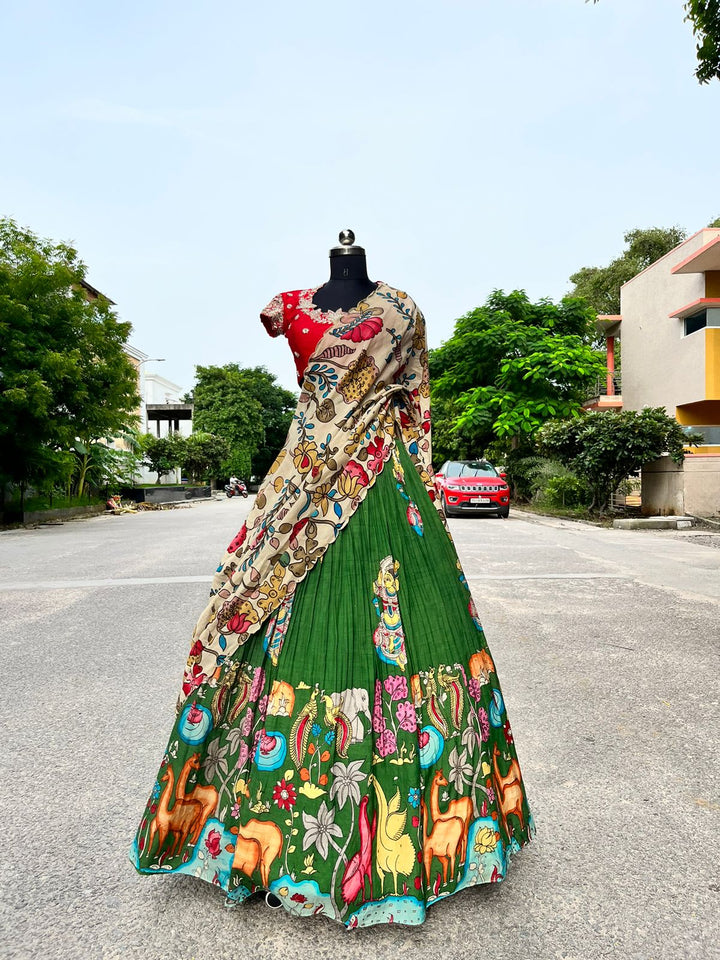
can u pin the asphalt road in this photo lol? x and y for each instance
(607, 645)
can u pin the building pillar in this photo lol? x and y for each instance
(610, 366)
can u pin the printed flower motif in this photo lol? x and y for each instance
(258, 683)
(386, 743)
(414, 797)
(247, 722)
(237, 618)
(212, 842)
(352, 480)
(156, 790)
(407, 717)
(484, 724)
(396, 687)
(353, 469)
(376, 453)
(215, 760)
(345, 785)
(364, 330)
(490, 795)
(378, 720)
(242, 756)
(305, 456)
(235, 810)
(485, 841)
(460, 770)
(262, 707)
(474, 689)
(330, 737)
(508, 732)
(284, 795)
(319, 830)
(316, 729)
(321, 498)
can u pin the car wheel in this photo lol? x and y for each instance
(446, 508)
(504, 513)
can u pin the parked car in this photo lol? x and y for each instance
(472, 486)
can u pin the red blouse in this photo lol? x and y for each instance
(294, 315)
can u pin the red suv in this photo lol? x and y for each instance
(470, 486)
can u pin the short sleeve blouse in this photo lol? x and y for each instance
(294, 315)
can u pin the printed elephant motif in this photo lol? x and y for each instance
(355, 701)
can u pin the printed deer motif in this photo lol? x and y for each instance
(442, 842)
(179, 821)
(462, 808)
(206, 795)
(509, 790)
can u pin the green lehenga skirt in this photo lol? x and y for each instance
(355, 757)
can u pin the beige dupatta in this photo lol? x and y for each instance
(365, 385)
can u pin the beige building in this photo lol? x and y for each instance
(670, 318)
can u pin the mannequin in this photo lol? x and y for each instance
(349, 282)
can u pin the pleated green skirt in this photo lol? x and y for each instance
(355, 757)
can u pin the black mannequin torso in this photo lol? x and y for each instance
(348, 283)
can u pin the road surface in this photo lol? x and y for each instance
(607, 645)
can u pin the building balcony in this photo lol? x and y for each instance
(606, 393)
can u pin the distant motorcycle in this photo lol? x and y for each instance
(237, 489)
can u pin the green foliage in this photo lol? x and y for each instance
(509, 366)
(704, 15)
(567, 490)
(163, 454)
(203, 455)
(99, 465)
(247, 408)
(547, 482)
(64, 374)
(600, 286)
(606, 447)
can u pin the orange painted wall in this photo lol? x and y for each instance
(712, 363)
(712, 283)
(705, 413)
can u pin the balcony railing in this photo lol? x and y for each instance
(608, 386)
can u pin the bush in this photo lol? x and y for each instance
(566, 491)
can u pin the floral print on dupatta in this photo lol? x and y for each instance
(365, 385)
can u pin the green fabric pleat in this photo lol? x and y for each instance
(355, 756)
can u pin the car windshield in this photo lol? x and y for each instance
(470, 468)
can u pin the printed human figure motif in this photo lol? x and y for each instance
(389, 637)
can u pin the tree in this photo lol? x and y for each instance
(278, 406)
(600, 286)
(64, 373)
(704, 17)
(248, 409)
(606, 447)
(509, 366)
(163, 454)
(204, 455)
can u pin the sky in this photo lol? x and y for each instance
(203, 157)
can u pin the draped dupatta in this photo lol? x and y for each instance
(365, 386)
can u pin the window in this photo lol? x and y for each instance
(711, 435)
(696, 322)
